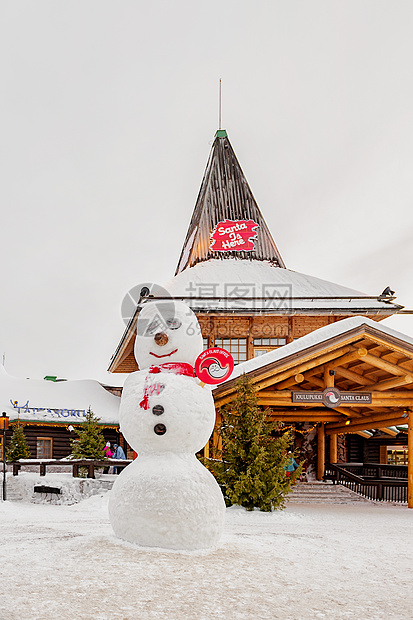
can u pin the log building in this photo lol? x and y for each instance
(302, 340)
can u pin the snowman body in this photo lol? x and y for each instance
(166, 497)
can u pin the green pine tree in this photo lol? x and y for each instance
(254, 455)
(18, 447)
(91, 442)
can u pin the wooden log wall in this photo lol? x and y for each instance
(230, 326)
(60, 436)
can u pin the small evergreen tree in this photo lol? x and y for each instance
(252, 471)
(18, 447)
(91, 442)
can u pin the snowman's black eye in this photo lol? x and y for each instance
(173, 323)
(154, 326)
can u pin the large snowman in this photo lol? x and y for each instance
(166, 497)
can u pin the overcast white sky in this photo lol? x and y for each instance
(108, 110)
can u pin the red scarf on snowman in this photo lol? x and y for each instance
(177, 368)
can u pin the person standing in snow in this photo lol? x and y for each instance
(118, 454)
(108, 454)
(291, 465)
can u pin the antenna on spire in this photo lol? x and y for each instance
(220, 106)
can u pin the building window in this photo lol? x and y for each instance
(236, 346)
(205, 343)
(264, 345)
(397, 455)
(44, 448)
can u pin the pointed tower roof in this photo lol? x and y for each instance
(225, 199)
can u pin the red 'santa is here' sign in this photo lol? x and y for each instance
(214, 365)
(234, 236)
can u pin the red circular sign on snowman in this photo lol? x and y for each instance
(214, 365)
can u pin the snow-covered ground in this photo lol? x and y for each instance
(310, 561)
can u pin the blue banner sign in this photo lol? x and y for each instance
(56, 413)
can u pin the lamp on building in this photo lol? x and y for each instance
(4, 425)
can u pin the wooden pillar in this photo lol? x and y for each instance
(328, 379)
(290, 335)
(206, 450)
(250, 339)
(216, 438)
(333, 448)
(321, 451)
(410, 461)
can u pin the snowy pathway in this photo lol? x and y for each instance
(311, 561)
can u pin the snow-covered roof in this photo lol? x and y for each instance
(65, 402)
(316, 337)
(236, 281)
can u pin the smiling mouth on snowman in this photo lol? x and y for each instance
(166, 355)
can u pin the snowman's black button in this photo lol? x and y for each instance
(158, 410)
(159, 429)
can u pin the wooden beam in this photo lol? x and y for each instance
(389, 431)
(333, 359)
(321, 452)
(328, 378)
(393, 396)
(333, 448)
(298, 378)
(393, 369)
(391, 402)
(309, 376)
(307, 413)
(283, 399)
(385, 415)
(389, 342)
(353, 376)
(389, 384)
(273, 376)
(283, 417)
(354, 355)
(263, 379)
(349, 413)
(362, 425)
(410, 461)
(364, 434)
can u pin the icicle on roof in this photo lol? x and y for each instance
(226, 222)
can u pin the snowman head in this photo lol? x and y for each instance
(167, 331)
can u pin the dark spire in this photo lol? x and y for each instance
(225, 195)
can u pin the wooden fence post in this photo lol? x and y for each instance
(333, 448)
(321, 451)
(410, 461)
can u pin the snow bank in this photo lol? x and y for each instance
(72, 490)
(342, 562)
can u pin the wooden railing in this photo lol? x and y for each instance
(372, 480)
(75, 464)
